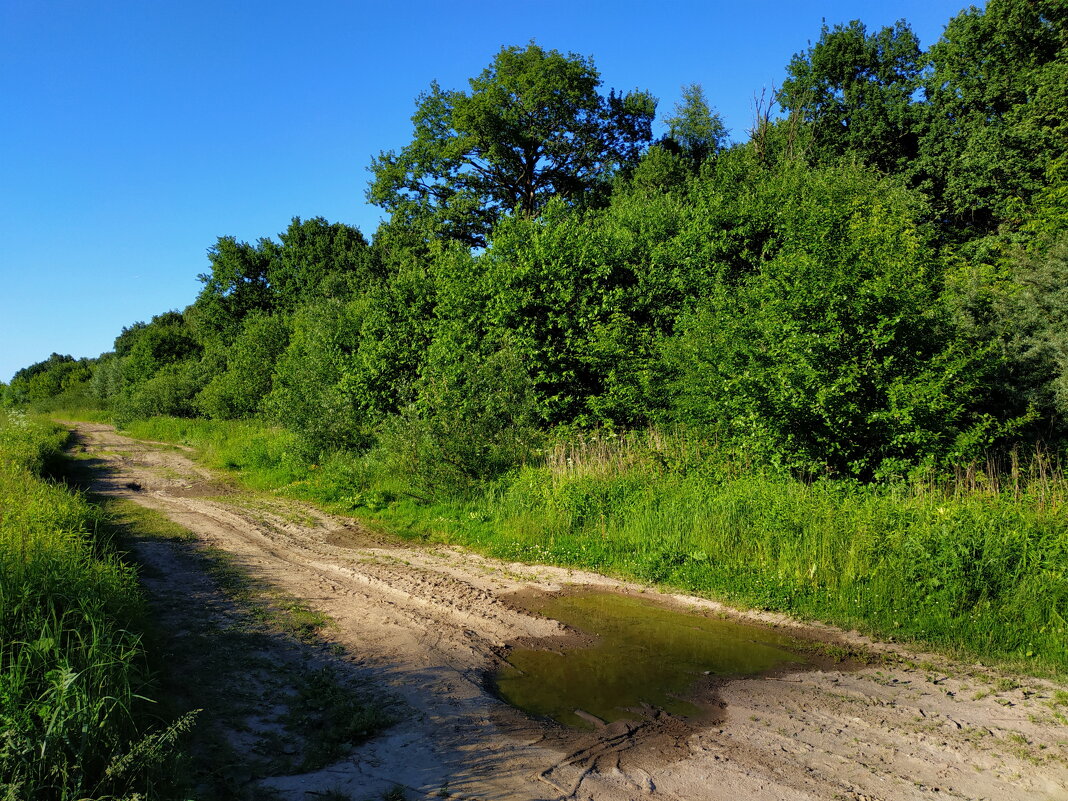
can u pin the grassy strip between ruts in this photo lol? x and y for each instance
(273, 696)
(975, 564)
(267, 658)
(74, 722)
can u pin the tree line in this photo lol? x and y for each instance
(873, 281)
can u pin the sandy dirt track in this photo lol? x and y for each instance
(429, 622)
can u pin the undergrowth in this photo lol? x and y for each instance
(75, 722)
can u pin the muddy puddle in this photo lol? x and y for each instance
(632, 654)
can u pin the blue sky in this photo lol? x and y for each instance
(136, 132)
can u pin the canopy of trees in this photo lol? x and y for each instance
(855, 90)
(533, 126)
(873, 282)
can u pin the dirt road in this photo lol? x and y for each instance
(429, 622)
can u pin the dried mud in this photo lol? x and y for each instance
(430, 623)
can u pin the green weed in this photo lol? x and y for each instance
(334, 715)
(75, 722)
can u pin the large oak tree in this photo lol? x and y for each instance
(534, 125)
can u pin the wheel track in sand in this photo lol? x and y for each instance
(431, 621)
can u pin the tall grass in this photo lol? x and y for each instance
(974, 562)
(72, 669)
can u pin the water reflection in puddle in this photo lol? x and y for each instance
(643, 654)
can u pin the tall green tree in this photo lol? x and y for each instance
(996, 114)
(237, 285)
(856, 91)
(533, 125)
(577, 295)
(695, 129)
(318, 258)
(349, 364)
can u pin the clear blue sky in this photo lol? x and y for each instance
(134, 133)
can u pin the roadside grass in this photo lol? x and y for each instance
(264, 455)
(974, 563)
(978, 573)
(67, 412)
(75, 719)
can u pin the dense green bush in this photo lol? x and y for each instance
(469, 425)
(835, 353)
(1035, 322)
(171, 389)
(239, 388)
(307, 394)
(56, 382)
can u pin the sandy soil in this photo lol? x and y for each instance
(430, 622)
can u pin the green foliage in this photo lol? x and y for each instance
(49, 384)
(856, 91)
(349, 364)
(575, 296)
(72, 670)
(397, 325)
(835, 355)
(695, 129)
(236, 286)
(994, 117)
(166, 341)
(125, 340)
(307, 395)
(1035, 321)
(977, 571)
(106, 382)
(239, 390)
(171, 390)
(160, 372)
(659, 170)
(1048, 216)
(319, 259)
(314, 259)
(533, 126)
(472, 422)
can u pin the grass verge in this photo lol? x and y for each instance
(974, 564)
(75, 720)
